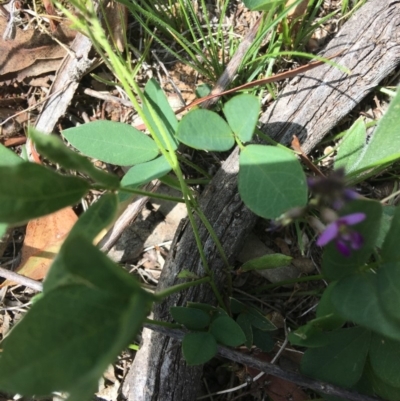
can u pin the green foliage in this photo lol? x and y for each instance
(198, 348)
(112, 142)
(28, 190)
(54, 149)
(193, 319)
(266, 262)
(160, 115)
(7, 157)
(91, 308)
(271, 180)
(143, 173)
(205, 129)
(242, 113)
(341, 360)
(362, 159)
(262, 5)
(226, 331)
(61, 331)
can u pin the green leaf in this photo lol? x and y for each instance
(357, 299)
(386, 221)
(327, 316)
(342, 360)
(352, 146)
(164, 115)
(204, 307)
(203, 90)
(262, 5)
(112, 142)
(388, 281)
(80, 262)
(8, 157)
(55, 150)
(205, 129)
(99, 215)
(198, 348)
(227, 331)
(259, 321)
(384, 357)
(390, 248)
(3, 229)
(28, 190)
(237, 306)
(334, 264)
(188, 275)
(310, 335)
(381, 388)
(242, 113)
(271, 180)
(263, 340)
(267, 262)
(245, 324)
(67, 339)
(192, 319)
(383, 147)
(143, 173)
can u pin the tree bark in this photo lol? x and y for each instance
(159, 371)
(308, 107)
(313, 103)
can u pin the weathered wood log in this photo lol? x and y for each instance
(313, 103)
(159, 371)
(308, 108)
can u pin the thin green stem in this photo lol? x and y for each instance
(163, 324)
(262, 288)
(151, 194)
(180, 287)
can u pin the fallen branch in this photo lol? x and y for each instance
(273, 370)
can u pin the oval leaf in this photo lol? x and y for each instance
(112, 142)
(143, 173)
(267, 262)
(384, 356)
(204, 129)
(263, 340)
(8, 157)
(242, 113)
(192, 319)
(271, 180)
(198, 348)
(356, 298)
(227, 331)
(28, 190)
(160, 114)
(342, 360)
(55, 150)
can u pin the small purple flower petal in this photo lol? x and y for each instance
(356, 240)
(342, 248)
(350, 194)
(351, 219)
(329, 234)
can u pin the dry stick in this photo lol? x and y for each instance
(227, 76)
(263, 81)
(107, 97)
(20, 279)
(273, 370)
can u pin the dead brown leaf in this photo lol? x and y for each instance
(19, 58)
(43, 239)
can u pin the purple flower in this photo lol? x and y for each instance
(345, 238)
